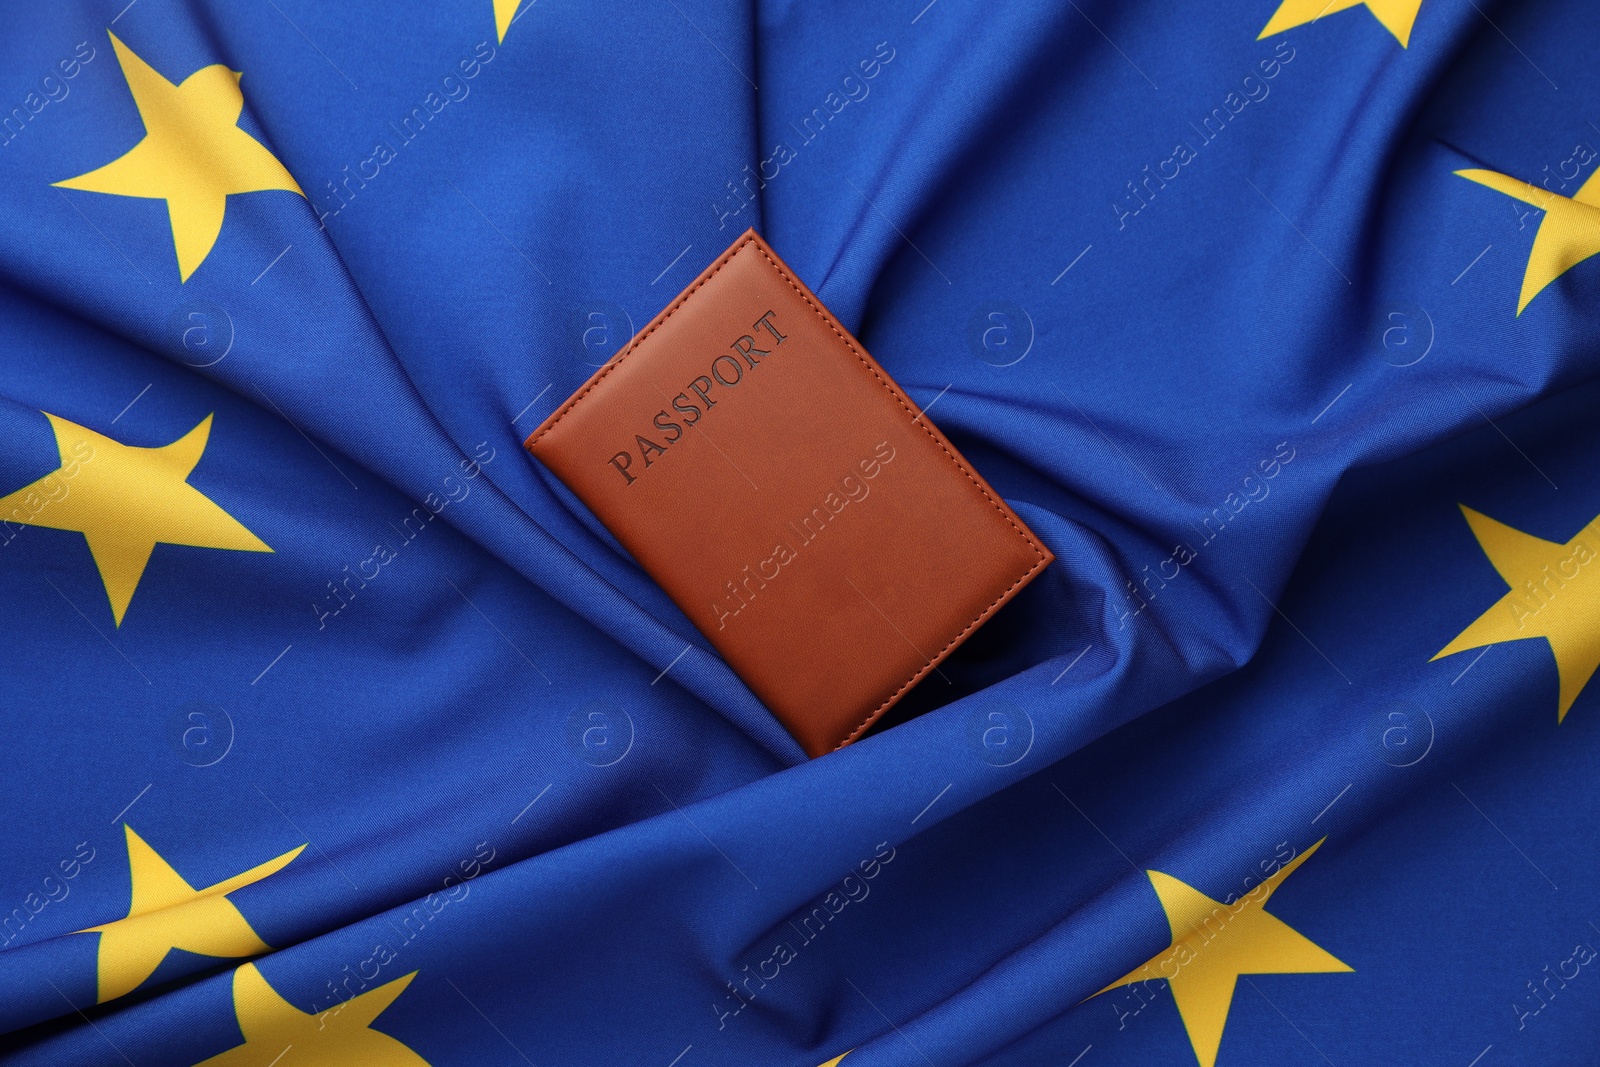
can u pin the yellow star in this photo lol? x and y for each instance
(1214, 943)
(125, 500)
(1551, 596)
(1568, 234)
(276, 1032)
(193, 155)
(166, 912)
(504, 12)
(1397, 16)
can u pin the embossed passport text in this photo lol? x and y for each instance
(765, 471)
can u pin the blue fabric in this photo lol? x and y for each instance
(516, 770)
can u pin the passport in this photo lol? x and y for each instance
(815, 526)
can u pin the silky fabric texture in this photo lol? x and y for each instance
(341, 733)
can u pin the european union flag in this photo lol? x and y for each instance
(340, 733)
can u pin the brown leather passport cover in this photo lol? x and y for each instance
(760, 466)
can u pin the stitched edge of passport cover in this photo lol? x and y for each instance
(1045, 557)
